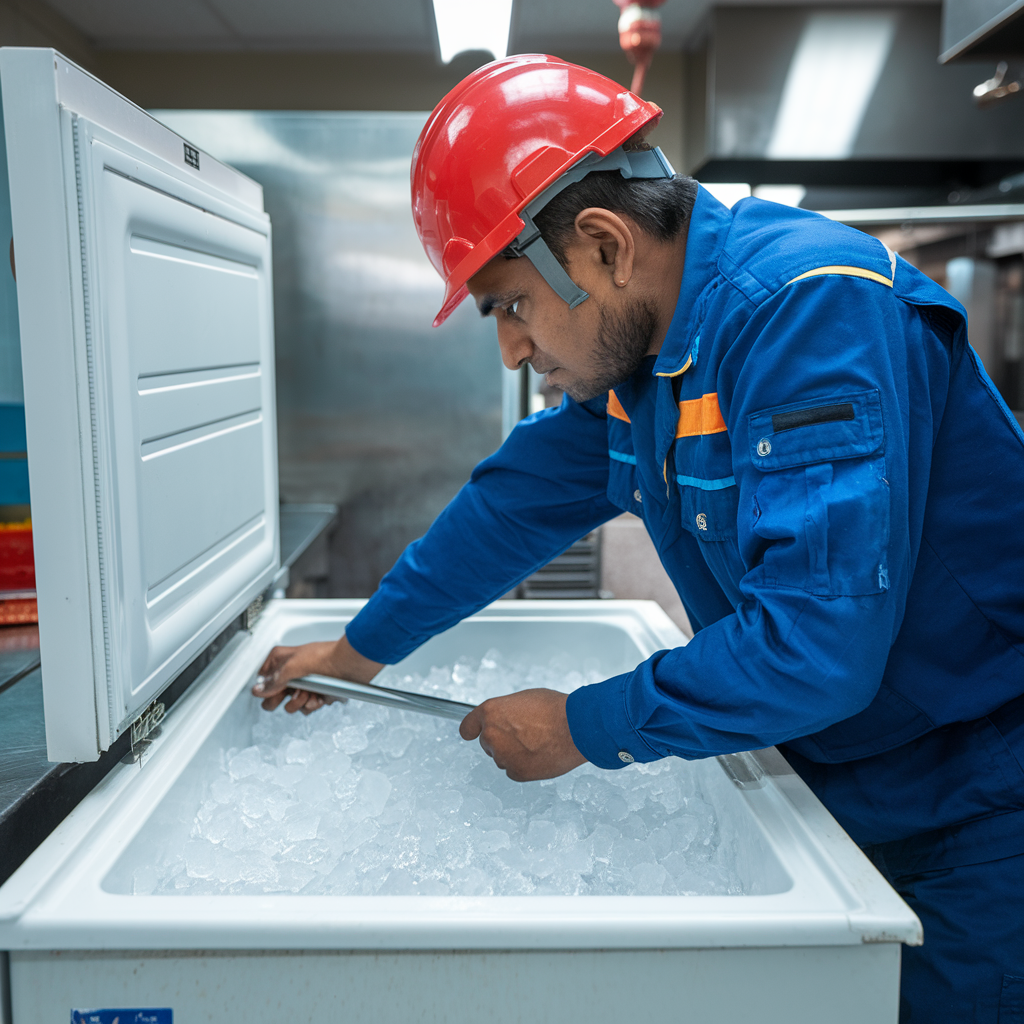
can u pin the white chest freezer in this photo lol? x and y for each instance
(145, 308)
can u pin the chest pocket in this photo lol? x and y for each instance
(708, 507)
(822, 504)
(708, 510)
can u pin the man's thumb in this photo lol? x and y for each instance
(470, 726)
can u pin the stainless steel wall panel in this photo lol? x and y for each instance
(915, 122)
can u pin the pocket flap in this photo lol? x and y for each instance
(844, 426)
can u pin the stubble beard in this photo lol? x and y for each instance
(623, 341)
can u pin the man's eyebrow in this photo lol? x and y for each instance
(488, 302)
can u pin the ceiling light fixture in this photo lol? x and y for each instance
(785, 195)
(728, 192)
(472, 25)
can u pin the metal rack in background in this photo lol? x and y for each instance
(574, 574)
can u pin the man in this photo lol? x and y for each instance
(830, 478)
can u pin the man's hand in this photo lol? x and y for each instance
(340, 660)
(526, 733)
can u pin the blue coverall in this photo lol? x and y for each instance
(836, 489)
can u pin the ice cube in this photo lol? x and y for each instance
(351, 739)
(396, 741)
(541, 835)
(226, 866)
(222, 789)
(252, 801)
(289, 775)
(372, 792)
(649, 879)
(292, 877)
(144, 880)
(316, 790)
(199, 859)
(493, 840)
(277, 802)
(298, 752)
(302, 824)
(244, 763)
(256, 867)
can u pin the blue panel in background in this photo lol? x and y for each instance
(122, 1017)
(11, 389)
(12, 428)
(13, 471)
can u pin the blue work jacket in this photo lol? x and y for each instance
(836, 489)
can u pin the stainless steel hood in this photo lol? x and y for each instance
(841, 96)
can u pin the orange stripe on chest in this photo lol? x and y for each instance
(699, 416)
(615, 408)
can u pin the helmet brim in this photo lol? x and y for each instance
(451, 302)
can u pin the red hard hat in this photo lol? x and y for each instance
(498, 140)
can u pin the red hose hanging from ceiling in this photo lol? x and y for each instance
(639, 36)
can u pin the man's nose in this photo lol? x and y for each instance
(516, 347)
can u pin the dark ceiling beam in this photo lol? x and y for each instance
(35, 23)
(283, 81)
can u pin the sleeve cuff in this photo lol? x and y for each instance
(377, 636)
(600, 728)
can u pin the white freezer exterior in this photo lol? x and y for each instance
(827, 945)
(144, 299)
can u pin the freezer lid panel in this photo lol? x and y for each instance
(161, 439)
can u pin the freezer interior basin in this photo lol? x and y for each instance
(357, 799)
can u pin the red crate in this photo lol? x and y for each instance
(17, 565)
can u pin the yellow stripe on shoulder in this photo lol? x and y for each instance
(682, 369)
(869, 275)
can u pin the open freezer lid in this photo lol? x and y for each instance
(144, 298)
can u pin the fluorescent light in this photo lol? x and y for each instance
(472, 25)
(831, 78)
(727, 192)
(785, 195)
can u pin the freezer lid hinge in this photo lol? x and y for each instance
(253, 612)
(144, 729)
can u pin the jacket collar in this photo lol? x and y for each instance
(709, 225)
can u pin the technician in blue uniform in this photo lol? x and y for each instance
(831, 480)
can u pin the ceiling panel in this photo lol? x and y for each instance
(148, 23)
(405, 25)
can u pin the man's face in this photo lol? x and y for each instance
(583, 352)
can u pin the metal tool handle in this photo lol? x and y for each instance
(407, 701)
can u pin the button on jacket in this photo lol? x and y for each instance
(835, 488)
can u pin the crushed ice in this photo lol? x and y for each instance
(358, 799)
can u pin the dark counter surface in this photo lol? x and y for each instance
(300, 526)
(37, 794)
(22, 734)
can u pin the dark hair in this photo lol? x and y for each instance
(660, 206)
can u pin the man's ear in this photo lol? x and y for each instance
(606, 240)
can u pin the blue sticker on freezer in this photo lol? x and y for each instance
(122, 1016)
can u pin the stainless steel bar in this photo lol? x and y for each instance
(928, 214)
(421, 702)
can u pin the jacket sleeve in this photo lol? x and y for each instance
(814, 394)
(539, 493)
